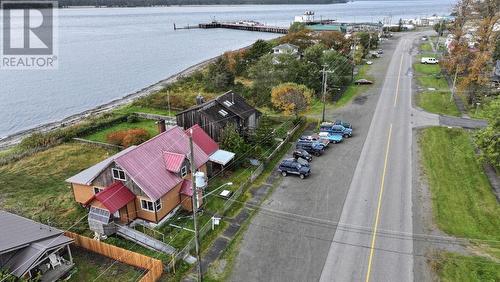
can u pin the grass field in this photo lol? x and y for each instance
(34, 186)
(130, 109)
(458, 268)
(148, 125)
(426, 47)
(438, 100)
(92, 267)
(463, 202)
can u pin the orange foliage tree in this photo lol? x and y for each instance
(291, 98)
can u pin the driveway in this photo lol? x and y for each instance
(290, 237)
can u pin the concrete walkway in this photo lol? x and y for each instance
(421, 118)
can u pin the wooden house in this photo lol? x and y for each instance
(213, 116)
(147, 182)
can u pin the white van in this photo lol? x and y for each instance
(428, 60)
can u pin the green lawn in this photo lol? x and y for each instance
(148, 125)
(130, 109)
(438, 100)
(457, 268)
(93, 267)
(463, 202)
(34, 186)
(426, 47)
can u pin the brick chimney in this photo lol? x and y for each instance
(161, 126)
(199, 99)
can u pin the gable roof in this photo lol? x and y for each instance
(203, 140)
(18, 232)
(88, 175)
(286, 46)
(173, 161)
(115, 196)
(232, 103)
(146, 166)
(27, 240)
(236, 104)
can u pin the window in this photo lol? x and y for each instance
(150, 206)
(97, 190)
(184, 171)
(223, 113)
(158, 204)
(228, 103)
(147, 205)
(118, 174)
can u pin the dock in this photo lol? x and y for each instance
(244, 26)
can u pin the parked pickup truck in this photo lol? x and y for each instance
(343, 123)
(336, 129)
(292, 166)
(429, 60)
(312, 148)
(334, 138)
(316, 138)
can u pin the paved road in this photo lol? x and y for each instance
(291, 236)
(379, 202)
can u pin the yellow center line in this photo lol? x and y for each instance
(397, 83)
(372, 247)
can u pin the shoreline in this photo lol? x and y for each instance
(15, 138)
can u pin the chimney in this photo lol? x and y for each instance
(161, 125)
(199, 99)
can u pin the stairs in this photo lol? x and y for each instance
(144, 240)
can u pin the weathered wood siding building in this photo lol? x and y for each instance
(213, 116)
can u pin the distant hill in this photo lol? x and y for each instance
(140, 3)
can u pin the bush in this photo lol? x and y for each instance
(41, 140)
(128, 137)
(132, 118)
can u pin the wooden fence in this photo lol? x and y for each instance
(154, 266)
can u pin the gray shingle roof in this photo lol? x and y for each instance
(25, 240)
(86, 176)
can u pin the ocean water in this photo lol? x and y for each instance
(108, 53)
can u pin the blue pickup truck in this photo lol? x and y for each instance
(336, 129)
(333, 138)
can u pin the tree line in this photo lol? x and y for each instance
(147, 3)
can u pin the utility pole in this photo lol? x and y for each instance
(325, 80)
(454, 84)
(353, 50)
(195, 207)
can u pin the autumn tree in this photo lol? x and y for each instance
(484, 14)
(291, 98)
(334, 40)
(302, 39)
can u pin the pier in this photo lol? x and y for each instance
(245, 26)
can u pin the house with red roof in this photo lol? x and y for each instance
(147, 182)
